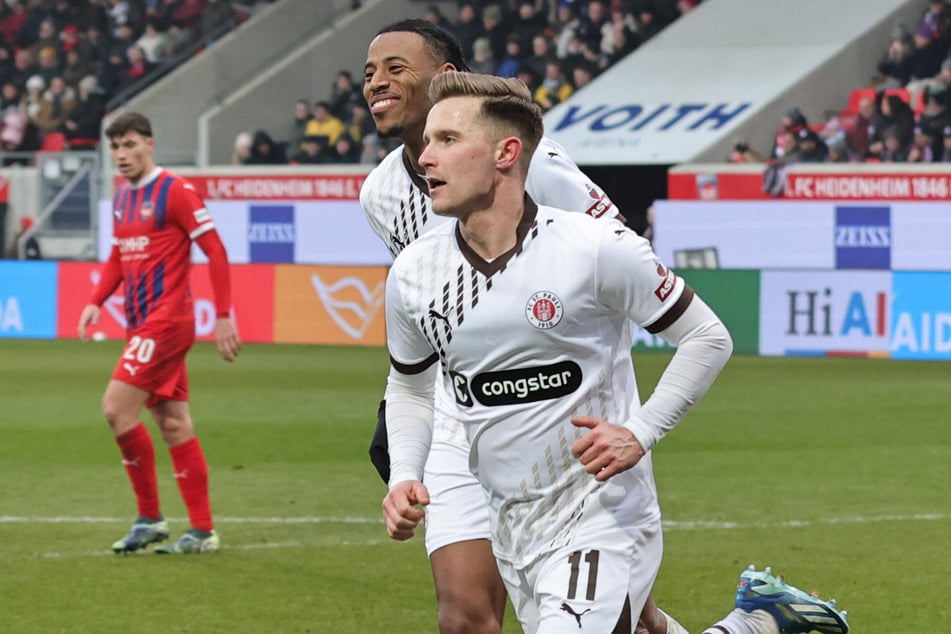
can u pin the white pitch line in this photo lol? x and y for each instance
(673, 525)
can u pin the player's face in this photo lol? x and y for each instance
(396, 83)
(132, 155)
(459, 157)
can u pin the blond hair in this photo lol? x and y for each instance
(506, 103)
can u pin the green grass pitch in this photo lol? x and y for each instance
(837, 472)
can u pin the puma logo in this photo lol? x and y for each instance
(433, 313)
(552, 154)
(180, 475)
(567, 608)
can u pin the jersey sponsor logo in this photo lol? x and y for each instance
(201, 215)
(667, 286)
(601, 202)
(460, 387)
(521, 385)
(135, 244)
(863, 238)
(544, 310)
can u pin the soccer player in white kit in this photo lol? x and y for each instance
(528, 310)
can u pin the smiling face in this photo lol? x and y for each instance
(397, 74)
(460, 157)
(132, 155)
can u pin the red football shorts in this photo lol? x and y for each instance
(154, 360)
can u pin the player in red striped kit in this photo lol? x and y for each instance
(156, 218)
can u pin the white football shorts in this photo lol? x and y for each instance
(582, 586)
(457, 510)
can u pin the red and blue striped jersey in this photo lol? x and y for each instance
(154, 224)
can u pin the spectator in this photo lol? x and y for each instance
(922, 148)
(12, 16)
(123, 13)
(742, 153)
(85, 120)
(313, 151)
(17, 135)
(264, 151)
(495, 29)
(793, 120)
(540, 56)
(857, 129)
(554, 88)
(112, 73)
(581, 76)
(136, 68)
(69, 38)
(812, 149)
(47, 63)
(621, 38)
(32, 101)
(29, 31)
(345, 150)
(787, 145)
(153, 42)
(467, 27)
(181, 39)
(56, 105)
(47, 40)
(298, 127)
(528, 24)
(9, 98)
(895, 116)
(74, 67)
(935, 116)
(324, 123)
(94, 46)
(511, 61)
(937, 19)
(896, 64)
(241, 154)
(23, 68)
(373, 151)
(839, 151)
(927, 54)
(434, 14)
(595, 25)
(343, 96)
(483, 61)
(895, 146)
(361, 124)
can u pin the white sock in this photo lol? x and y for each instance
(742, 622)
(673, 627)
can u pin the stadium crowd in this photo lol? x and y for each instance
(902, 116)
(555, 46)
(62, 61)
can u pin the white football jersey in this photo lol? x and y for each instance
(526, 342)
(396, 200)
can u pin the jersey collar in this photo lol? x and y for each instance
(148, 178)
(417, 179)
(488, 269)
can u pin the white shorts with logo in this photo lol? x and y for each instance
(582, 586)
(457, 510)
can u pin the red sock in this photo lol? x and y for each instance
(191, 474)
(138, 456)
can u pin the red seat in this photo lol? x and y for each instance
(83, 144)
(901, 92)
(856, 96)
(53, 142)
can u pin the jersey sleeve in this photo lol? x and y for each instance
(187, 209)
(631, 279)
(410, 352)
(554, 180)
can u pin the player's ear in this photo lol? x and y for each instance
(508, 152)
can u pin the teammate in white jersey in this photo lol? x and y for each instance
(528, 311)
(401, 61)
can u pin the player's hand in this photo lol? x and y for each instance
(89, 317)
(607, 449)
(401, 508)
(229, 345)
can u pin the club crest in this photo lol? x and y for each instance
(544, 310)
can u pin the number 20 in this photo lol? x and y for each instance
(139, 349)
(591, 558)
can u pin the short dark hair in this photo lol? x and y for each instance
(442, 44)
(129, 122)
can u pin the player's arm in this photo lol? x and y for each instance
(632, 279)
(188, 210)
(409, 415)
(219, 270)
(109, 278)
